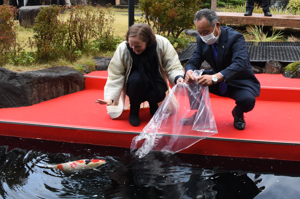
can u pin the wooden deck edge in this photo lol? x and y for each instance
(288, 21)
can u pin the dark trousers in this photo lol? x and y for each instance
(265, 5)
(139, 91)
(244, 99)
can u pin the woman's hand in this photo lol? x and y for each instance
(179, 80)
(107, 102)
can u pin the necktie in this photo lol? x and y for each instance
(215, 51)
(222, 85)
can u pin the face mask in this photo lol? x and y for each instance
(210, 39)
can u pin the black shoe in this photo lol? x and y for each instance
(153, 108)
(268, 14)
(134, 119)
(248, 13)
(239, 122)
(189, 120)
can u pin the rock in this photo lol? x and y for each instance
(102, 62)
(28, 88)
(205, 65)
(257, 69)
(288, 74)
(27, 15)
(292, 70)
(193, 33)
(297, 75)
(273, 67)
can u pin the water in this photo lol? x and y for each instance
(24, 174)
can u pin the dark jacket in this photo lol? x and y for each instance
(232, 60)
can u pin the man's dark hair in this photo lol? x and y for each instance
(210, 15)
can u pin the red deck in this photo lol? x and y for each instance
(272, 128)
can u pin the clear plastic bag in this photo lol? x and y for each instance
(168, 130)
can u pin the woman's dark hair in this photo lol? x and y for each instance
(210, 15)
(143, 32)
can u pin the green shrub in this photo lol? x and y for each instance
(88, 30)
(293, 67)
(169, 18)
(180, 42)
(8, 43)
(294, 6)
(20, 57)
(101, 33)
(47, 37)
(104, 44)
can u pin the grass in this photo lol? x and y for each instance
(23, 36)
(260, 36)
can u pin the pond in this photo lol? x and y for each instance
(24, 174)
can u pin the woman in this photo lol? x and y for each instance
(140, 68)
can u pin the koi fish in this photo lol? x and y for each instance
(78, 165)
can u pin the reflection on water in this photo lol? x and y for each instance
(24, 175)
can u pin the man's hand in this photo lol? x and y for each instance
(189, 78)
(101, 101)
(205, 80)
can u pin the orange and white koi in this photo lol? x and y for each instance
(78, 165)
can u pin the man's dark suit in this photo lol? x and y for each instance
(233, 63)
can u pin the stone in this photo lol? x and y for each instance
(193, 33)
(288, 74)
(32, 87)
(27, 15)
(292, 70)
(102, 62)
(297, 75)
(205, 65)
(273, 67)
(257, 69)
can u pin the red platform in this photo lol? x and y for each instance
(272, 128)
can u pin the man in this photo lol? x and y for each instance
(265, 5)
(231, 74)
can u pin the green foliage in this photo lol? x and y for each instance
(47, 37)
(293, 67)
(88, 30)
(7, 32)
(293, 6)
(169, 18)
(91, 29)
(180, 42)
(105, 44)
(21, 57)
(260, 36)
